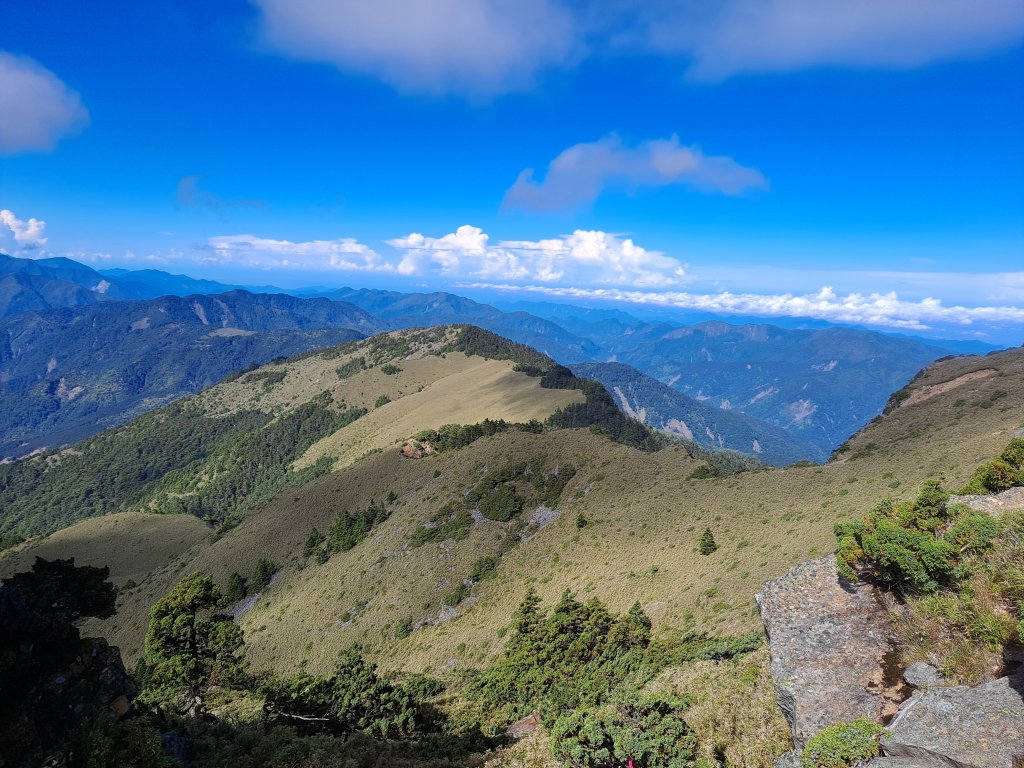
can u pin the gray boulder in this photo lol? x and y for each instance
(979, 727)
(789, 760)
(831, 649)
(993, 503)
(921, 675)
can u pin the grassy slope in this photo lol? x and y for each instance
(644, 515)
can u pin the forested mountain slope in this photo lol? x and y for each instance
(662, 407)
(69, 373)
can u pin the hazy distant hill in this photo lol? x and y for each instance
(69, 373)
(820, 385)
(36, 284)
(413, 310)
(660, 406)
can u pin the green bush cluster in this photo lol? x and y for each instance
(350, 368)
(347, 530)
(237, 589)
(390, 369)
(262, 574)
(575, 655)
(452, 436)
(649, 729)
(1001, 473)
(915, 546)
(502, 493)
(270, 379)
(842, 745)
(354, 699)
(706, 544)
(447, 523)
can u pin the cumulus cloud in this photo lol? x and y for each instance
(583, 257)
(344, 254)
(583, 171)
(487, 47)
(884, 310)
(36, 108)
(478, 47)
(26, 233)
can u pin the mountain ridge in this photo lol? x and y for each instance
(68, 373)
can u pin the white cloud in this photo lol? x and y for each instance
(26, 233)
(583, 171)
(36, 108)
(582, 258)
(344, 254)
(486, 47)
(884, 310)
(478, 47)
(787, 35)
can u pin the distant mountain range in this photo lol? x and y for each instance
(742, 387)
(660, 406)
(66, 374)
(37, 284)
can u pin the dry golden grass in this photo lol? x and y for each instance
(733, 713)
(132, 544)
(431, 392)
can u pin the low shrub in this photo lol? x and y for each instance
(649, 729)
(842, 745)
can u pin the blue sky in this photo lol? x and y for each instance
(767, 157)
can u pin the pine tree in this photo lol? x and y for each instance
(706, 545)
(264, 572)
(186, 646)
(237, 589)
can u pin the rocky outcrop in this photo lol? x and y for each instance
(979, 727)
(833, 661)
(831, 648)
(93, 688)
(994, 503)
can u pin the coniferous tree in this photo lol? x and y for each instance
(187, 646)
(706, 544)
(237, 589)
(264, 572)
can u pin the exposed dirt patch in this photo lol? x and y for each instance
(929, 391)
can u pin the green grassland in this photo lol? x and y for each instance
(642, 512)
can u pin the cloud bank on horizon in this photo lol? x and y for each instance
(595, 266)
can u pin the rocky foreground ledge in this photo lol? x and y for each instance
(834, 661)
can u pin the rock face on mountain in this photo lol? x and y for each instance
(979, 727)
(833, 662)
(830, 643)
